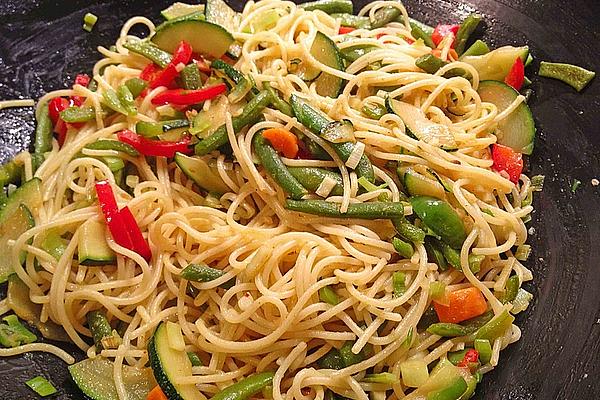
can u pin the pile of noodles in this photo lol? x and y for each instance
(272, 318)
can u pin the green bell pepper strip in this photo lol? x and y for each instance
(511, 289)
(374, 110)
(136, 86)
(105, 144)
(275, 167)
(573, 75)
(370, 210)
(153, 53)
(430, 63)
(10, 173)
(111, 100)
(127, 100)
(203, 273)
(251, 114)
(478, 48)
(43, 132)
(78, 114)
(312, 177)
(466, 29)
(194, 359)
(245, 388)
(384, 16)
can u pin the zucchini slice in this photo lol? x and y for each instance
(94, 377)
(199, 170)
(203, 36)
(168, 364)
(29, 193)
(177, 10)
(13, 225)
(92, 248)
(417, 184)
(517, 130)
(326, 52)
(496, 64)
(420, 127)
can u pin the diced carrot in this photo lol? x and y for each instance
(462, 305)
(453, 54)
(283, 141)
(156, 394)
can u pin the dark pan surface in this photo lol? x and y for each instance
(42, 47)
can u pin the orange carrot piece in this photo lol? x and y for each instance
(156, 394)
(283, 141)
(462, 305)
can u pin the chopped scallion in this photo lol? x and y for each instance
(399, 283)
(89, 20)
(522, 252)
(537, 183)
(575, 185)
(41, 386)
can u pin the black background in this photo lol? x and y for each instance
(42, 47)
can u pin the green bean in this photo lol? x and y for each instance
(370, 210)
(353, 21)
(245, 388)
(435, 253)
(466, 29)
(204, 273)
(43, 132)
(572, 75)
(277, 101)
(111, 100)
(252, 113)
(115, 145)
(382, 377)
(403, 248)
(384, 16)
(374, 110)
(441, 218)
(316, 122)
(194, 359)
(484, 348)
(478, 48)
(99, 327)
(136, 86)
(399, 283)
(332, 360)
(10, 173)
(446, 329)
(511, 289)
(153, 53)
(348, 357)
(475, 323)
(408, 231)
(430, 63)
(495, 327)
(312, 177)
(78, 114)
(418, 33)
(275, 167)
(190, 77)
(127, 100)
(353, 53)
(329, 6)
(329, 296)
(456, 356)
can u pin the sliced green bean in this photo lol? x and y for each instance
(78, 114)
(43, 132)
(403, 248)
(277, 101)
(475, 261)
(572, 75)
(312, 177)
(441, 218)
(474, 324)
(127, 100)
(430, 63)
(467, 27)
(495, 327)
(153, 53)
(348, 356)
(484, 348)
(329, 6)
(245, 388)
(408, 231)
(190, 77)
(136, 86)
(275, 167)
(331, 360)
(153, 129)
(399, 283)
(370, 210)
(115, 145)
(446, 329)
(353, 21)
(384, 16)
(511, 289)
(329, 296)
(418, 33)
(99, 327)
(251, 114)
(111, 100)
(478, 48)
(201, 272)
(353, 53)
(194, 359)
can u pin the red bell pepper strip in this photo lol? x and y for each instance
(183, 97)
(121, 224)
(471, 356)
(83, 80)
(508, 160)
(182, 55)
(55, 106)
(516, 75)
(150, 72)
(441, 31)
(346, 29)
(139, 244)
(156, 148)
